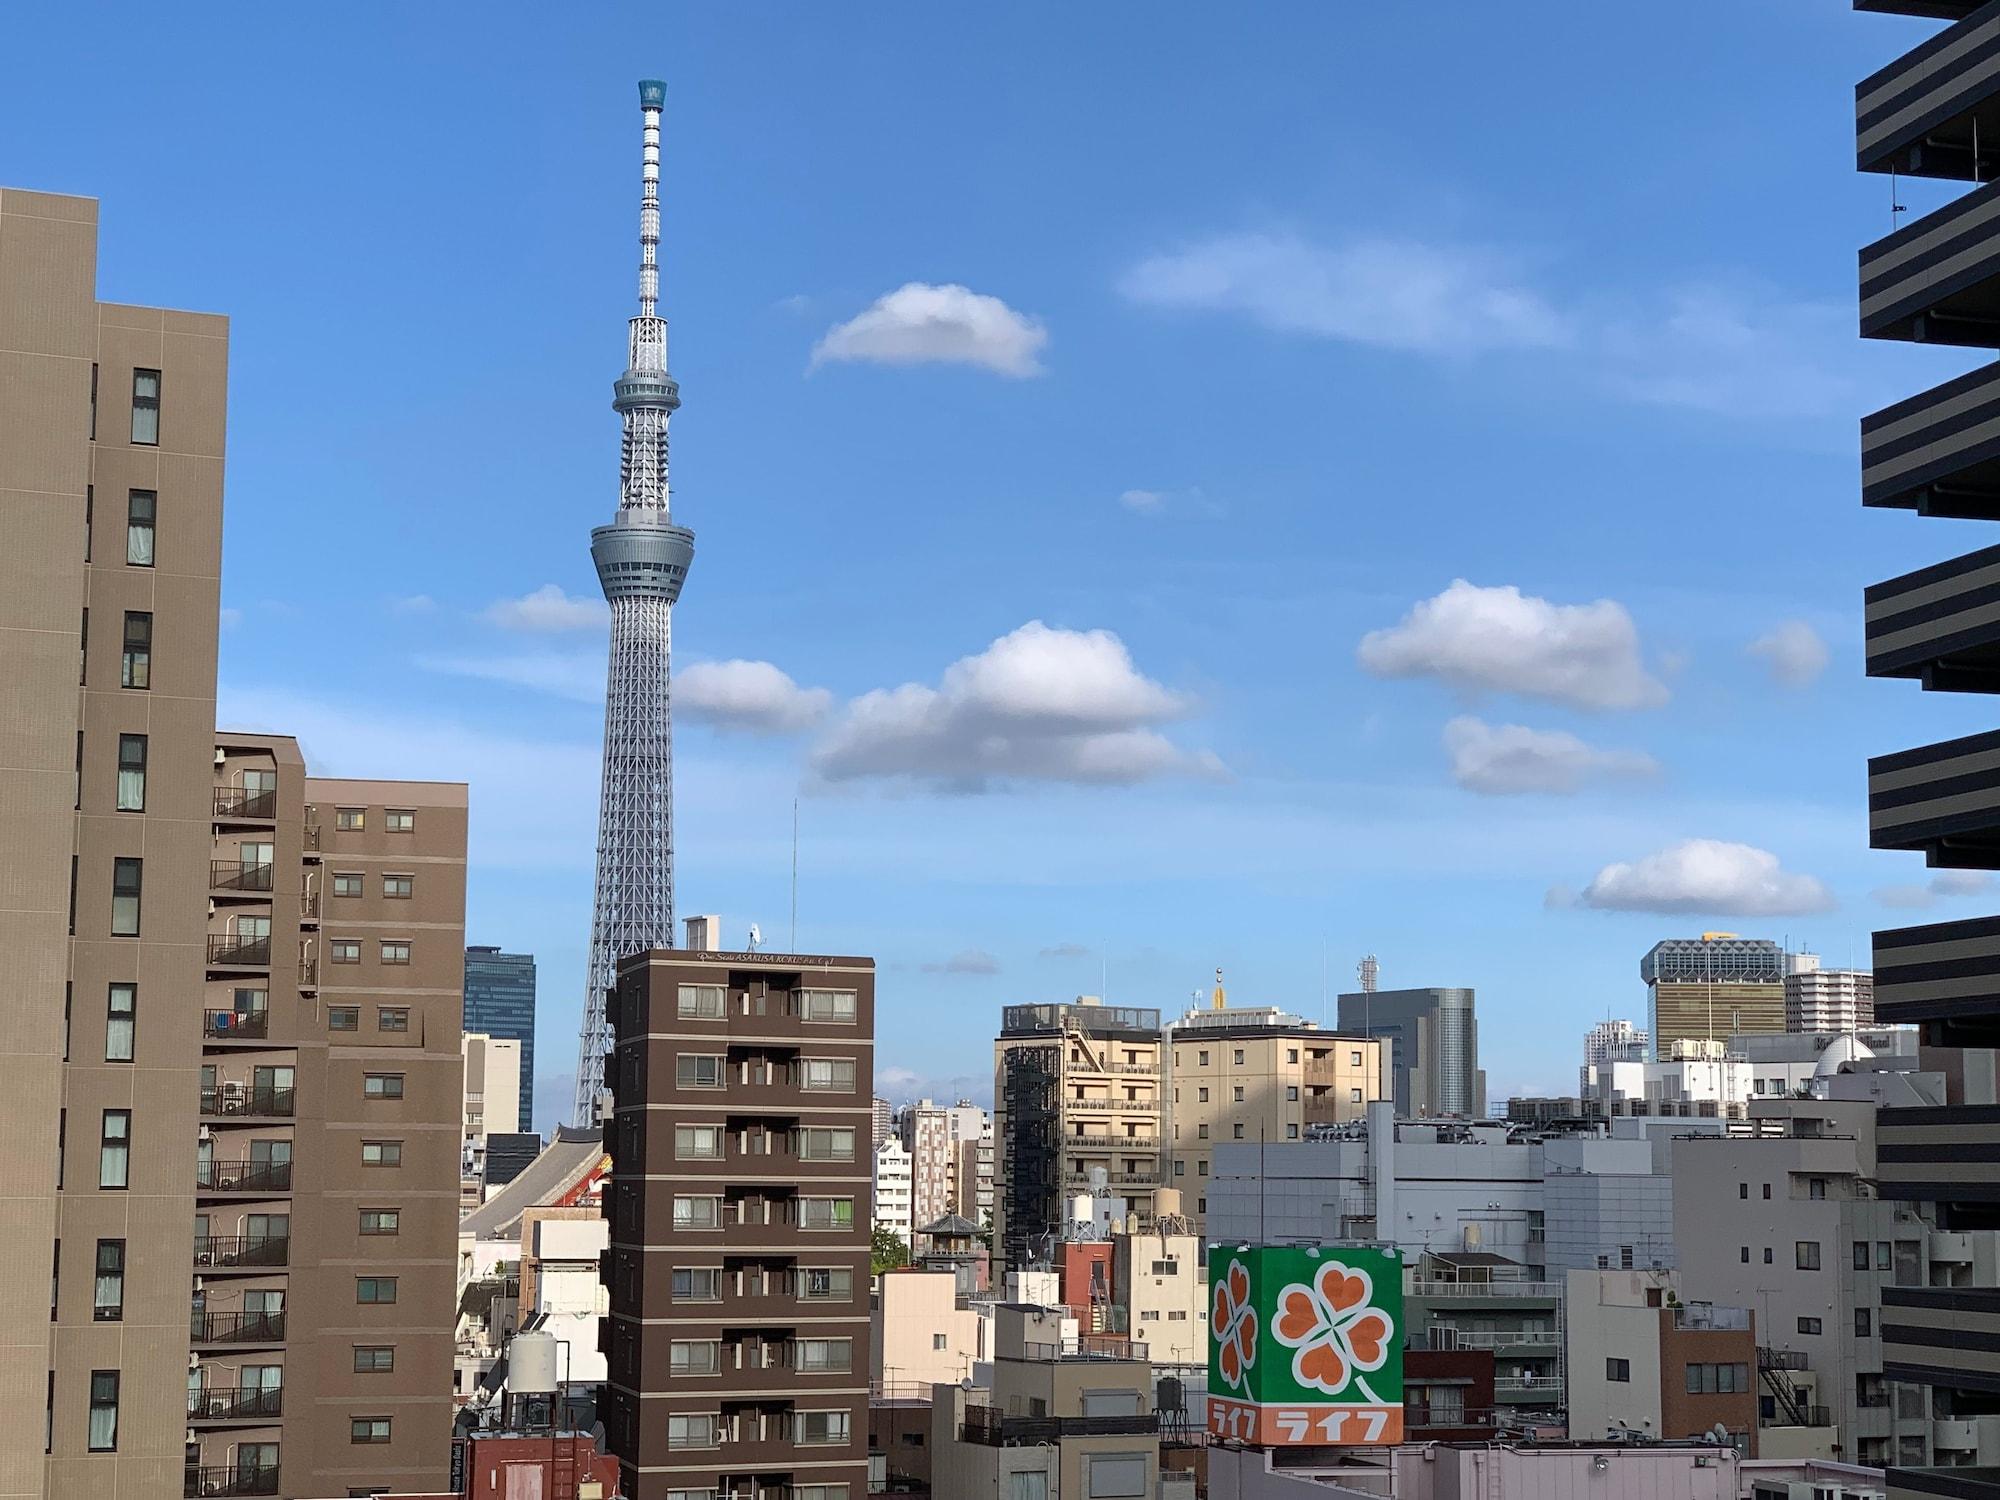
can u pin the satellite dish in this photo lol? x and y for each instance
(756, 936)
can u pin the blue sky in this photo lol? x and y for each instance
(1216, 342)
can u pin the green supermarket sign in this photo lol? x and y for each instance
(1305, 1346)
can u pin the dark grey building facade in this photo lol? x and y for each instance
(500, 1001)
(1433, 1038)
(1936, 280)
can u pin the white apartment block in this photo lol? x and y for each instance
(1820, 1000)
(892, 1189)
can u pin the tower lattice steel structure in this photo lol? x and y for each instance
(642, 559)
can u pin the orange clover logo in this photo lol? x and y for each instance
(1233, 1324)
(1335, 1330)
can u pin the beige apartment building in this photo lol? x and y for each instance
(182, 1142)
(1256, 1074)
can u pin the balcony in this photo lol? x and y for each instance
(243, 1176)
(1922, 113)
(237, 1481)
(1941, 1336)
(236, 1328)
(235, 1025)
(1518, 1341)
(1539, 1389)
(241, 1251)
(310, 838)
(992, 1428)
(1094, 1106)
(234, 802)
(1479, 1291)
(1939, 626)
(1114, 1179)
(1942, 800)
(1944, 976)
(246, 1100)
(234, 875)
(228, 950)
(1937, 281)
(1937, 453)
(236, 1404)
(1939, 1154)
(1109, 1145)
(1956, 1433)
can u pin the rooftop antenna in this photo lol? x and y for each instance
(1219, 1000)
(1369, 972)
(795, 876)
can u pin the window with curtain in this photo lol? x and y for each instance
(146, 408)
(120, 1021)
(832, 1074)
(108, 1297)
(131, 773)
(103, 1411)
(1111, 1476)
(140, 506)
(127, 877)
(136, 668)
(114, 1149)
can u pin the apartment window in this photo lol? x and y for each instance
(1201, 1167)
(821, 1356)
(381, 1153)
(702, 1002)
(1027, 1484)
(940, 1341)
(108, 1293)
(1236, 1131)
(139, 509)
(131, 773)
(826, 1283)
(374, 1359)
(1291, 1054)
(1239, 1057)
(1201, 1205)
(703, 1430)
(698, 1070)
(120, 1018)
(346, 883)
(1861, 1255)
(1201, 1096)
(1354, 1096)
(833, 1075)
(381, 1220)
(697, 1284)
(1180, 1167)
(1815, 1187)
(1743, 1254)
(695, 1356)
(1882, 1255)
(1809, 1325)
(1713, 1380)
(103, 1411)
(1202, 1057)
(346, 950)
(1805, 1255)
(368, 1430)
(350, 819)
(822, 1427)
(1618, 1369)
(697, 1213)
(114, 1149)
(1114, 1476)
(826, 1213)
(1239, 1093)
(382, 1085)
(400, 820)
(395, 950)
(828, 1491)
(1291, 1132)
(392, 1018)
(1767, 1190)
(343, 1018)
(146, 408)
(136, 668)
(127, 876)
(1201, 1131)
(1767, 1255)
(1743, 1190)
(1292, 1095)
(93, 415)
(827, 1005)
(695, 1141)
(83, 650)
(374, 1290)
(1863, 1323)
(828, 1144)
(1354, 1059)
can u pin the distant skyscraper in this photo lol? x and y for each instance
(1434, 1046)
(642, 559)
(1713, 987)
(500, 1001)
(1818, 1000)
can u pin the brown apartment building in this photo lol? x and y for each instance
(174, 1100)
(739, 1207)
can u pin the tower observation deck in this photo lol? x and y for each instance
(642, 559)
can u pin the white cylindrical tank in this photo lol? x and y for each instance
(1079, 1207)
(1167, 1201)
(531, 1364)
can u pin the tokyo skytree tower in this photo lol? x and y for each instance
(642, 559)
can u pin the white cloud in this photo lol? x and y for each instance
(900, 1084)
(919, 323)
(1946, 883)
(1188, 501)
(577, 675)
(229, 618)
(1394, 293)
(549, 609)
(1706, 877)
(1144, 502)
(1039, 704)
(1793, 651)
(749, 695)
(1501, 640)
(412, 604)
(1499, 759)
(966, 961)
(1065, 950)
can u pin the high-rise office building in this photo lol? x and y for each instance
(1712, 987)
(1820, 1000)
(1936, 280)
(500, 1001)
(1615, 1041)
(1076, 1091)
(739, 1208)
(1433, 1038)
(642, 559)
(925, 1130)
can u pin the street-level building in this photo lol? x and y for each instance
(1643, 1360)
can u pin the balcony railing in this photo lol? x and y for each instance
(234, 875)
(1780, 1359)
(232, 1025)
(239, 1099)
(243, 1176)
(1696, 1316)
(1475, 1290)
(311, 839)
(236, 1327)
(1091, 1106)
(242, 1249)
(228, 948)
(237, 1481)
(1110, 1145)
(993, 1428)
(309, 905)
(236, 1404)
(1115, 1179)
(236, 802)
